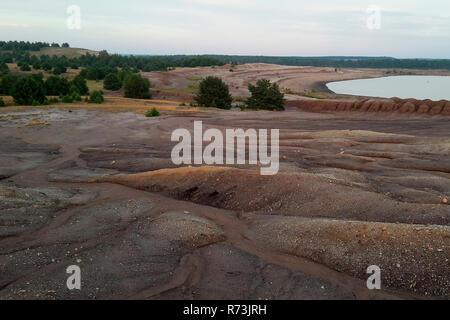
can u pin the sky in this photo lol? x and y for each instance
(402, 29)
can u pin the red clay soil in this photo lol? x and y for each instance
(429, 107)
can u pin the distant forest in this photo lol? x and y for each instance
(25, 55)
(97, 66)
(343, 62)
(28, 46)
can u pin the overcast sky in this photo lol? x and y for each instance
(409, 28)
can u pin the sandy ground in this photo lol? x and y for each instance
(95, 187)
(296, 81)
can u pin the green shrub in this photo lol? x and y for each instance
(27, 90)
(2, 103)
(4, 70)
(123, 74)
(76, 96)
(55, 86)
(213, 92)
(112, 82)
(59, 69)
(265, 96)
(73, 89)
(137, 87)
(7, 83)
(152, 113)
(25, 67)
(67, 99)
(96, 97)
(80, 84)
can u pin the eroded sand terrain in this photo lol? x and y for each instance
(298, 82)
(97, 189)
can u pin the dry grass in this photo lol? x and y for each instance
(193, 87)
(15, 70)
(9, 101)
(96, 85)
(112, 104)
(68, 52)
(37, 122)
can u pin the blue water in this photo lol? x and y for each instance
(405, 87)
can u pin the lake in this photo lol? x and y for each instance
(405, 87)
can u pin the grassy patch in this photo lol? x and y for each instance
(68, 52)
(191, 89)
(95, 85)
(310, 94)
(15, 71)
(194, 86)
(400, 73)
(152, 113)
(194, 78)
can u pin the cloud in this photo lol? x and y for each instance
(222, 3)
(13, 25)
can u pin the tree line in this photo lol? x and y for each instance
(28, 46)
(97, 62)
(19, 52)
(34, 89)
(342, 62)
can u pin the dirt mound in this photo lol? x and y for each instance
(28, 209)
(375, 105)
(351, 247)
(306, 195)
(17, 155)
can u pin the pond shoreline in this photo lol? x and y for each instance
(420, 87)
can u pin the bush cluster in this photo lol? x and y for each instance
(213, 92)
(34, 89)
(96, 97)
(152, 113)
(137, 87)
